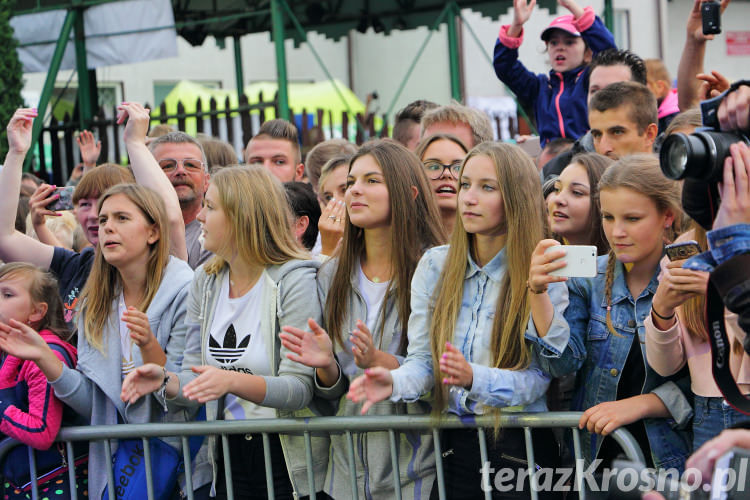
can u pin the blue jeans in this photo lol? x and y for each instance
(713, 415)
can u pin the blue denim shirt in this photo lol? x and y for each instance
(491, 386)
(723, 243)
(599, 357)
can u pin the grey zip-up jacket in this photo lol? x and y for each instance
(93, 388)
(372, 449)
(289, 299)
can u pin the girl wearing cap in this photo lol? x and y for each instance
(559, 98)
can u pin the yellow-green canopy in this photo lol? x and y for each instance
(308, 96)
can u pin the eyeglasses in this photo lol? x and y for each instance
(189, 164)
(435, 169)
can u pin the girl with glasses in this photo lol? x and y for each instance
(441, 155)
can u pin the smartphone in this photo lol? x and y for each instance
(683, 250)
(581, 261)
(64, 202)
(711, 17)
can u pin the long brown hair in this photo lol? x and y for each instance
(43, 288)
(415, 227)
(255, 205)
(694, 309)
(521, 191)
(640, 173)
(104, 281)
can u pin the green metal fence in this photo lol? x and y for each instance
(341, 425)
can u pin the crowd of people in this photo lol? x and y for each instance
(406, 276)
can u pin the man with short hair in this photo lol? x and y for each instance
(470, 125)
(406, 128)
(276, 147)
(607, 67)
(182, 159)
(623, 117)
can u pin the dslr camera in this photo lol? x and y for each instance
(699, 159)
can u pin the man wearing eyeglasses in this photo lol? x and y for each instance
(182, 159)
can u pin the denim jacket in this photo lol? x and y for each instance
(724, 243)
(524, 389)
(599, 357)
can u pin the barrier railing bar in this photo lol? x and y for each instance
(227, 466)
(629, 446)
(269, 466)
(188, 467)
(578, 456)
(439, 464)
(71, 459)
(531, 463)
(309, 460)
(32, 472)
(394, 464)
(482, 437)
(352, 466)
(110, 472)
(149, 471)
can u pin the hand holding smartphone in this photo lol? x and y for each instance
(64, 201)
(580, 261)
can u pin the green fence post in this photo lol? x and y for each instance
(277, 21)
(609, 16)
(85, 108)
(49, 82)
(238, 67)
(454, 58)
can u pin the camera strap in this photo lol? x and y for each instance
(721, 350)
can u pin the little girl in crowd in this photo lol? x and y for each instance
(30, 411)
(470, 312)
(615, 385)
(559, 99)
(392, 218)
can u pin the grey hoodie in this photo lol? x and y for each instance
(372, 449)
(93, 388)
(289, 299)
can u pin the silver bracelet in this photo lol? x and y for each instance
(162, 390)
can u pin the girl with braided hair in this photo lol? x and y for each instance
(615, 385)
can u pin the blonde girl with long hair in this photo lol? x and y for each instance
(258, 280)
(473, 302)
(616, 386)
(132, 312)
(391, 220)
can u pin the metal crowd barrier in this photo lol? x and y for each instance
(336, 425)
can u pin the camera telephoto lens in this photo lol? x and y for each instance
(697, 156)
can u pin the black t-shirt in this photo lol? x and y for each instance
(631, 384)
(72, 270)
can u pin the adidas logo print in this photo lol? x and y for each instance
(230, 352)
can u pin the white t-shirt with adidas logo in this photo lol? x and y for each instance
(235, 344)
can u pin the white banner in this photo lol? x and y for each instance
(104, 47)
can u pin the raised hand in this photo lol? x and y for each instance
(137, 118)
(331, 226)
(90, 148)
(543, 263)
(311, 348)
(141, 381)
(695, 21)
(38, 202)
(19, 130)
(372, 387)
(522, 10)
(676, 286)
(572, 6)
(713, 85)
(457, 370)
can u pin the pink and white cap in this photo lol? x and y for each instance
(565, 23)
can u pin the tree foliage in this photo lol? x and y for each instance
(11, 75)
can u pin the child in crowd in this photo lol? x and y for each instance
(31, 413)
(559, 99)
(392, 219)
(258, 280)
(573, 206)
(132, 312)
(471, 310)
(615, 385)
(442, 156)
